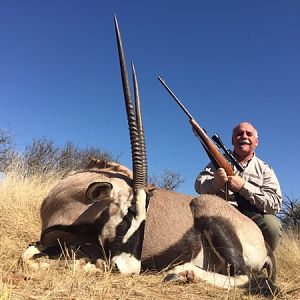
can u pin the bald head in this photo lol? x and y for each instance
(245, 125)
(244, 140)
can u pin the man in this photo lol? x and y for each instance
(255, 191)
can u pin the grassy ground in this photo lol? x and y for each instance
(20, 200)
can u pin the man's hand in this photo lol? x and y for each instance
(220, 178)
(235, 183)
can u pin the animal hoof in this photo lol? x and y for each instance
(171, 278)
(185, 277)
(188, 276)
(40, 255)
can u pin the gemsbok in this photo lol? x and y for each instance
(107, 211)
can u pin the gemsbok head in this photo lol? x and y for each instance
(106, 211)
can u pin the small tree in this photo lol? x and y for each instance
(7, 153)
(168, 180)
(290, 213)
(42, 157)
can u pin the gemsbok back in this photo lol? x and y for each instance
(107, 211)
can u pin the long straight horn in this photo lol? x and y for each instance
(139, 123)
(136, 150)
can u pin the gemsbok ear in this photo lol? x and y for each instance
(99, 191)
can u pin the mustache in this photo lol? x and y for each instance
(244, 142)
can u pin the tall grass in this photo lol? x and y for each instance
(20, 199)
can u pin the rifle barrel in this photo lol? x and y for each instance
(210, 147)
(175, 98)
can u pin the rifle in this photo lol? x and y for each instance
(212, 150)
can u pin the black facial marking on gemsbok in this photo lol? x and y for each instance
(103, 210)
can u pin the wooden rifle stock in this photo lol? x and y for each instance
(211, 147)
(208, 144)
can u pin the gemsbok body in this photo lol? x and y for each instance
(108, 212)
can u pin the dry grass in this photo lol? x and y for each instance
(20, 200)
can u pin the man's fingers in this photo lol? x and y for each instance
(220, 177)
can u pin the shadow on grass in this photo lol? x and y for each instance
(262, 286)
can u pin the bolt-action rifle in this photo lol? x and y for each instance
(217, 158)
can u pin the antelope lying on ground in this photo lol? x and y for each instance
(107, 211)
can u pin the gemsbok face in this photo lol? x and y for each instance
(103, 211)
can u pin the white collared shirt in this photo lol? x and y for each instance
(261, 189)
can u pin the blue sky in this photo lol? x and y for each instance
(228, 61)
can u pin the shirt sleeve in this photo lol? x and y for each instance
(205, 183)
(266, 196)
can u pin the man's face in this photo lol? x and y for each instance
(244, 139)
